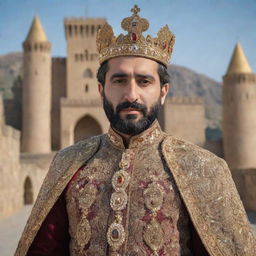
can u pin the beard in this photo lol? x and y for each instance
(129, 125)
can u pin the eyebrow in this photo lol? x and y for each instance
(125, 75)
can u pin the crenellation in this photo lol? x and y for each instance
(82, 27)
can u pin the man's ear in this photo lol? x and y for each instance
(164, 92)
(101, 90)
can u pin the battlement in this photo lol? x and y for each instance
(240, 78)
(36, 46)
(185, 100)
(82, 27)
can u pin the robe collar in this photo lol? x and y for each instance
(148, 137)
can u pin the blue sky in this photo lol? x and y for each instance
(206, 30)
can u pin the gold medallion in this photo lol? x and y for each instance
(120, 180)
(116, 235)
(154, 196)
(153, 235)
(118, 200)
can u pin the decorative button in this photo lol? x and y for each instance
(120, 180)
(116, 235)
(118, 200)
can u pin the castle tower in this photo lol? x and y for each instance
(81, 113)
(36, 91)
(239, 112)
(82, 57)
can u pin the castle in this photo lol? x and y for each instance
(61, 105)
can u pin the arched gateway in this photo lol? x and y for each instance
(86, 127)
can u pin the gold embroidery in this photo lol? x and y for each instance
(146, 138)
(83, 233)
(153, 233)
(153, 197)
(209, 193)
(153, 236)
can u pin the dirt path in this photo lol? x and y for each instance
(10, 231)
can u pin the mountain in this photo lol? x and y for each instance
(184, 83)
(10, 69)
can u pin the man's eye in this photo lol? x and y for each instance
(144, 82)
(119, 81)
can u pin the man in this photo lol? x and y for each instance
(136, 190)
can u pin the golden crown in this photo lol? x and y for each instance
(134, 43)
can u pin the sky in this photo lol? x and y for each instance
(206, 30)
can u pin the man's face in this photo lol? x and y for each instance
(132, 95)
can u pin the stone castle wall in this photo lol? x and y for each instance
(9, 167)
(185, 118)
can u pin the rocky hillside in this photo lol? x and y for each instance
(185, 82)
(10, 69)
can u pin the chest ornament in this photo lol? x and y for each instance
(153, 233)
(118, 202)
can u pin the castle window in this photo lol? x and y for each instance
(87, 30)
(70, 30)
(86, 54)
(88, 73)
(75, 28)
(81, 30)
(86, 88)
(92, 30)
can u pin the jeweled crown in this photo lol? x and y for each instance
(134, 43)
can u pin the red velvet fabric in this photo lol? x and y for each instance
(53, 238)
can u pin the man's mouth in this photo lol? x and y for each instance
(130, 110)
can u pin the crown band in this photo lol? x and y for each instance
(134, 43)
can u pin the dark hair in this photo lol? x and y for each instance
(162, 72)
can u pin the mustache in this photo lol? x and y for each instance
(134, 104)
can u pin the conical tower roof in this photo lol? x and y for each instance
(36, 32)
(238, 62)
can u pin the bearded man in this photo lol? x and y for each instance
(136, 190)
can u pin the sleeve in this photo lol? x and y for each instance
(53, 237)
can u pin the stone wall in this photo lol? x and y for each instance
(9, 167)
(34, 168)
(185, 118)
(245, 180)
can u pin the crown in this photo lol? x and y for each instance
(134, 43)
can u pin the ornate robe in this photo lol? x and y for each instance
(140, 200)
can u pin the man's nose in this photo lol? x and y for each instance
(131, 91)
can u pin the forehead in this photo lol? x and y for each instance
(131, 64)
